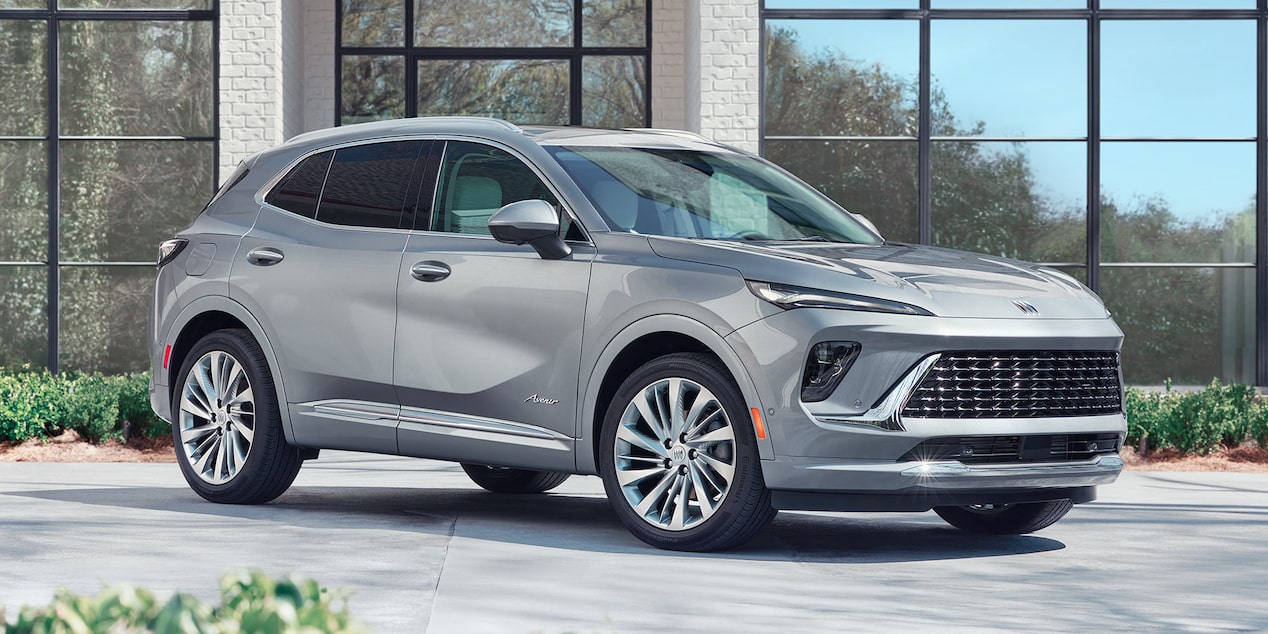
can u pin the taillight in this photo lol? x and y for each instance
(169, 250)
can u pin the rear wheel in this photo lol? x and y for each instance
(679, 458)
(1005, 519)
(508, 480)
(228, 430)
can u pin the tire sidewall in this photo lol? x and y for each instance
(748, 474)
(267, 419)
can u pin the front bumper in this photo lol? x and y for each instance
(851, 451)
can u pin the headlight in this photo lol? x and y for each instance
(786, 296)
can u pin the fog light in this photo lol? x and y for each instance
(825, 367)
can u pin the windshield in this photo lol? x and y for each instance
(695, 194)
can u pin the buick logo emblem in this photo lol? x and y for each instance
(1026, 307)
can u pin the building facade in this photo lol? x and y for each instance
(1122, 141)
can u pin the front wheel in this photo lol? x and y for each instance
(228, 430)
(508, 480)
(679, 457)
(1004, 519)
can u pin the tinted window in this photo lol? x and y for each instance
(298, 192)
(367, 184)
(476, 181)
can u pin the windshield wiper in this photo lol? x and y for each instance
(812, 239)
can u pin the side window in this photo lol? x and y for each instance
(476, 180)
(367, 184)
(298, 192)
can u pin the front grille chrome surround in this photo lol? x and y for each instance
(1018, 384)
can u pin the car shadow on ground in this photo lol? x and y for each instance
(567, 521)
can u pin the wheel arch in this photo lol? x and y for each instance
(211, 313)
(636, 344)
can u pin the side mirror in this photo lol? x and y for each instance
(534, 222)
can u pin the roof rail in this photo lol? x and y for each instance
(678, 133)
(461, 118)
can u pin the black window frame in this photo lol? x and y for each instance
(574, 54)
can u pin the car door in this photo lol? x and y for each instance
(319, 268)
(488, 338)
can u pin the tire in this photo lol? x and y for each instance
(228, 431)
(668, 483)
(1005, 519)
(508, 480)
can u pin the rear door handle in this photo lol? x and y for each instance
(264, 256)
(430, 271)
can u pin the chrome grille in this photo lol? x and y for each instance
(1018, 384)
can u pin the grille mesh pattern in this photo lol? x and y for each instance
(1018, 384)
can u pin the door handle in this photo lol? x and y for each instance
(430, 271)
(264, 256)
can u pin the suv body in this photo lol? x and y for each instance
(709, 334)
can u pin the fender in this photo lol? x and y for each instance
(209, 303)
(586, 460)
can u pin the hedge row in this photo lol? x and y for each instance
(249, 603)
(1197, 422)
(39, 405)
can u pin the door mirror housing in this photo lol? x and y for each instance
(532, 222)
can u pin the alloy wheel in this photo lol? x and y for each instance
(675, 454)
(217, 417)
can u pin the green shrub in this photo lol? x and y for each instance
(134, 407)
(249, 602)
(30, 405)
(91, 408)
(1196, 422)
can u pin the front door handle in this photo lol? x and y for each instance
(264, 256)
(430, 271)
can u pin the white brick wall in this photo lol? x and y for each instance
(723, 46)
(669, 63)
(319, 64)
(251, 93)
(293, 66)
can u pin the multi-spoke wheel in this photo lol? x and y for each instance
(679, 459)
(1004, 519)
(228, 432)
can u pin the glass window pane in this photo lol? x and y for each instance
(103, 320)
(478, 179)
(1189, 325)
(23, 201)
(841, 77)
(1177, 4)
(1009, 77)
(1178, 202)
(613, 22)
(23, 4)
(1017, 200)
(1178, 78)
(299, 191)
(367, 183)
(373, 88)
(134, 4)
(493, 23)
(373, 23)
(1009, 4)
(120, 199)
(23, 77)
(613, 91)
(518, 90)
(842, 4)
(24, 305)
(876, 179)
(136, 78)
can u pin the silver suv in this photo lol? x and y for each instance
(712, 337)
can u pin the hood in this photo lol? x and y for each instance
(945, 282)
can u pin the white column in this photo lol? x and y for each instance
(250, 91)
(723, 57)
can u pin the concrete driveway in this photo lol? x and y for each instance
(425, 550)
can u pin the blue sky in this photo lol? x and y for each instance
(1028, 78)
